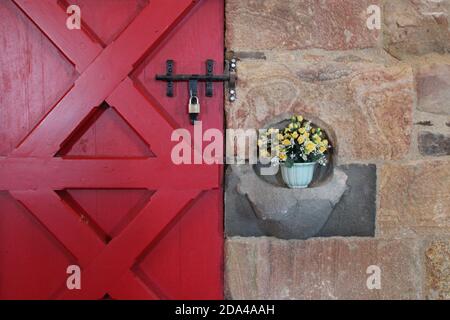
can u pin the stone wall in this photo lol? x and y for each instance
(385, 94)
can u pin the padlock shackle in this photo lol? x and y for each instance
(191, 100)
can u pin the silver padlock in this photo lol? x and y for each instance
(194, 108)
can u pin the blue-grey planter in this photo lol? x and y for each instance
(298, 176)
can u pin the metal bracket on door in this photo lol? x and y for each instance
(229, 76)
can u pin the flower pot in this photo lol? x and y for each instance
(298, 176)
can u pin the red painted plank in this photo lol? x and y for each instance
(105, 134)
(57, 174)
(108, 18)
(26, 248)
(34, 76)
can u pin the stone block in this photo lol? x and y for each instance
(354, 214)
(414, 199)
(433, 88)
(416, 27)
(367, 103)
(434, 144)
(333, 268)
(290, 25)
(240, 218)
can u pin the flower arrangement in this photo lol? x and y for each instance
(298, 142)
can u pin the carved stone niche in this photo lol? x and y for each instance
(339, 202)
(322, 174)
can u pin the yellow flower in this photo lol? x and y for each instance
(322, 149)
(309, 147)
(260, 143)
(299, 118)
(313, 130)
(302, 130)
(295, 135)
(301, 139)
(306, 134)
(286, 142)
(280, 136)
(291, 125)
(317, 138)
(283, 156)
(325, 143)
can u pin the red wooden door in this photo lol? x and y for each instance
(86, 176)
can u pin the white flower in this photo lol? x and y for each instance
(308, 126)
(275, 161)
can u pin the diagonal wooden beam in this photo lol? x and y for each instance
(76, 45)
(62, 222)
(103, 76)
(121, 252)
(130, 287)
(151, 125)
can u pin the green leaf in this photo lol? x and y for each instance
(289, 163)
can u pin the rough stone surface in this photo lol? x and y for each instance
(414, 27)
(240, 219)
(414, 199)
(437, 260)
(354, 215)
(434, 144)
(334, 268)
(368, 104)
(327, 24)
(433, 88)
(346, 206)
(289, 213)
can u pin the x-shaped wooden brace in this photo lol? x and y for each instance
(106, 267)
